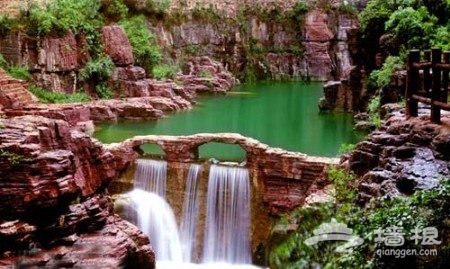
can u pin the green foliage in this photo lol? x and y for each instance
(441, 38)
(103, 91)
(98, 69)
(58, 97)
(13, 159)
(145, 49)
(205, 74)
(164, 71)
(205, 13)
(114, 10)
(347, 8)
(345, 186)
(293, 253)
(346, 148)
(427, 208)
(373, 110)
(15, 71)
(5, 24)
(381, 78)
(19, 72)
(157, 6)
(59, 16)
(3, 62)
(412, 28)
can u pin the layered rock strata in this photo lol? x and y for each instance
(54, 211)
(403, 157)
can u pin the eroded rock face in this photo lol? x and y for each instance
(53, 210)
(404, 157)
(44, 163)
(202, 74)
(117, 46)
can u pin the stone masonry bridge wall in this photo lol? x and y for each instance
(285, 178)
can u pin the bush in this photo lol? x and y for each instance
(103, 91)
(379, 79)
(59, 16)
(114, 10)
(99, 69)
(145, 49)
(373, 110)
(346, 148)
(164, 71)
(157, 6)
(411, 28)
(5, 25)
(426, 208)
(347, 8)
(3, 62)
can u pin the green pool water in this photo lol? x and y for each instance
(282, 115)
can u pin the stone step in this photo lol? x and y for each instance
(15, 89)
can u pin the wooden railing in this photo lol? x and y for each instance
(430, 87)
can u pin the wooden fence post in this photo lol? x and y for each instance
(427, 81)
(436, 93)
(412, 83)
(445, 74)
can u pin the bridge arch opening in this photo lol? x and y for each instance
(222, 152)
(152, 150)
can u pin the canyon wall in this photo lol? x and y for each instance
(274, 41)
(310, 45)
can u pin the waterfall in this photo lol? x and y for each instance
(226, 236)
(151, 176)
(155, 216)
(190, 213)
(227, 226)
(156, 219)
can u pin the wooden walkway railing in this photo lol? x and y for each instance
(432, 89)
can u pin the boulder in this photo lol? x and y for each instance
(116, 45)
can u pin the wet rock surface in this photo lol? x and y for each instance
(403, 157)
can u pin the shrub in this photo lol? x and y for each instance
(164, 71)
(346, 148)
(3, 62)
(425, 208)
(145, 49)
(381, 78)
(157, 6)
(103, 91)
(347, 8)
(99, 69)
(5, 25)
(373, 110)
(59, 16)
(114, 10)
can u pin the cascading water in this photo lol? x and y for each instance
(227, 236)
(151, 176)
(155, 217)
(190, 213)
